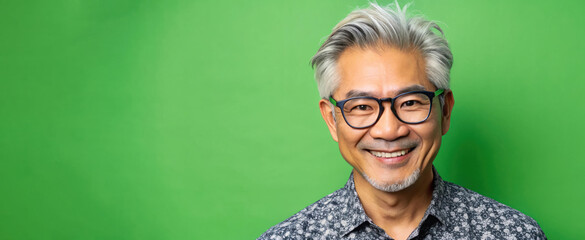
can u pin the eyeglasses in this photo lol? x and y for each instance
(410, 107)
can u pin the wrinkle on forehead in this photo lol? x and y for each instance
(384, 70)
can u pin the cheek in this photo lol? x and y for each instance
(431, 137)
(433, 134)
(348, 138)
(429, 132)
(432, 129)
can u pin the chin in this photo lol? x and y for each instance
(395, 186)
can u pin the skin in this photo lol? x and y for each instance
(382, 72)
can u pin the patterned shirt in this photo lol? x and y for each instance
(454, 213)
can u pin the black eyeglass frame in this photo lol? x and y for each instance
(431, 96)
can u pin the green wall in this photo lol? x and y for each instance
(184, 119)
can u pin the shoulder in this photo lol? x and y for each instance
(475, 214)
(311, 221)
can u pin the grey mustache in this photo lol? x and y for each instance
(382, 144)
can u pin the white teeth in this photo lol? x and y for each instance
(389, 154)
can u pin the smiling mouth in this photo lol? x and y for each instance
(394, 154)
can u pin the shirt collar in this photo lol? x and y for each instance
(352, 213)
(438, 201)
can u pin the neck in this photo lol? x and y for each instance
(398, 213)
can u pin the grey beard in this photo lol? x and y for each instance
(395, 187)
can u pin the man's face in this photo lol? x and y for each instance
(381, 73)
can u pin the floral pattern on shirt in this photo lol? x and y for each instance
(454, 213)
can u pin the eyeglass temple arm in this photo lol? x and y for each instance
(333, 101)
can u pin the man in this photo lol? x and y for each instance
(384, 83)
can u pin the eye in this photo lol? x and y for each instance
(361, 108)
(410, 103)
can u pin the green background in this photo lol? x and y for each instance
(183, 119)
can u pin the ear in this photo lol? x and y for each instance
(327, 114)
(447, 108)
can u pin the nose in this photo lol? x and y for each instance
(388, 126)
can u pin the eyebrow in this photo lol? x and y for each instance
(357, 93)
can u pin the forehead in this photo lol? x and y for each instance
(381, 71)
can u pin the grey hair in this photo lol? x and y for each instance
(374, 25)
